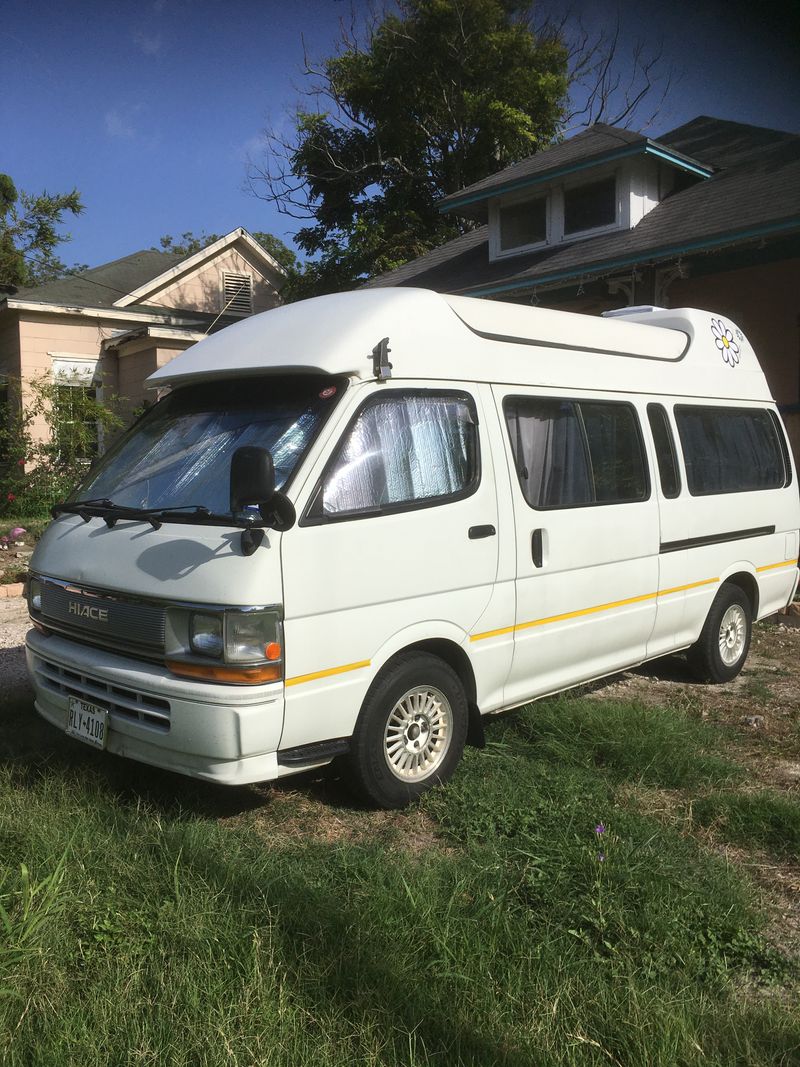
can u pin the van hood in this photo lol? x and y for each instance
(191, 563)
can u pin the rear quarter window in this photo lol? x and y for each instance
(730, 450)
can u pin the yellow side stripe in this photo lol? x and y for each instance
(613, 604)
(300, 678)
(586, 611)
(772, 566)
(691, 585)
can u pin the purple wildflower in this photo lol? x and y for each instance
(600, 829)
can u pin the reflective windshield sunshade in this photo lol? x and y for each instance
(178, 456)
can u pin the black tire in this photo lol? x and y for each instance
(729, 626)
(415, 713)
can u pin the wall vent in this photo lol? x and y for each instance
(237, 293)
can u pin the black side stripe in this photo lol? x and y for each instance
(715, 539)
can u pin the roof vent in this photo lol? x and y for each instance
(237, 293)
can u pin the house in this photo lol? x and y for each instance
(707, 215)
(108, 328)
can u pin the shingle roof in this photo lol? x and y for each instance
(757, 188)
(593, 145)
(102, 286)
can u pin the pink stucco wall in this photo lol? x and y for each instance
(201, 290)
(41, 336)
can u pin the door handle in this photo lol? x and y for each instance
(476, 532)
(537, 548)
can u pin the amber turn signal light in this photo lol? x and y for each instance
(214, 672)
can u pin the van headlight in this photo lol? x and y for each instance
(247, 645)
(34, 595)
(205, 635)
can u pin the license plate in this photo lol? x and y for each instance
(87, 722)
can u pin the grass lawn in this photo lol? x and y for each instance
(540, 910)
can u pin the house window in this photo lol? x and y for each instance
(523, 224)
(75, 428)
(588, 207)
(237, 293)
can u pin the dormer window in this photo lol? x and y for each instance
(565, 211)
(523, 224)
(590, 206)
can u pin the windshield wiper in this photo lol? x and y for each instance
(75, 507)
(111, 513)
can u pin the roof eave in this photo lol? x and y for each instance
(647, 148)
(588, 271)
(116, 314)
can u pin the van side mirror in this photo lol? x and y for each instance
(252, 477)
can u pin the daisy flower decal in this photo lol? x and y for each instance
(723, 339)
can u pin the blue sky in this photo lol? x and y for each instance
(151, 108)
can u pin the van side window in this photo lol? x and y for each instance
(402, 450)
(729, 450)
(665, 450)
(573, 453)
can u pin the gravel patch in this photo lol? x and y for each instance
(14, 624)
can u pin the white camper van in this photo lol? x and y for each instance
(357, 524)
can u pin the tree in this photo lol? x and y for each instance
(188, 243)
(29, 234)
(440, 95)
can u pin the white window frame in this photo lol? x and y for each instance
(80, 372)
(524, 196)
(595, 231)
(554, 211)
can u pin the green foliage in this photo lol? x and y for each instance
(441, 95)
(39, 469)
(191, 925)
(762, 819)
(663, 747)
(277, 249)
(30, 234)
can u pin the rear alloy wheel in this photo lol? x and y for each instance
(723, 644)
(411, 730)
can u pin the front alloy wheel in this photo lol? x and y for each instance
(418, 733)
(411, 730)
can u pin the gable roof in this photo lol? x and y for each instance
(129, 282)
(592, 147)
(102, 286)
(754, 192)
(188, 264)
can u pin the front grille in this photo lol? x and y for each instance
(122, 703)
(111, 621)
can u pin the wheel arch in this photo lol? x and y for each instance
(451, 652)
(748, 583)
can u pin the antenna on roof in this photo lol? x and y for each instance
(381, 367)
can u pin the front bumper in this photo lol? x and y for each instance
(220, 733)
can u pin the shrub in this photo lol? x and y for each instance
(37, 471)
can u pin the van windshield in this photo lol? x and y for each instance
(179, 454)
